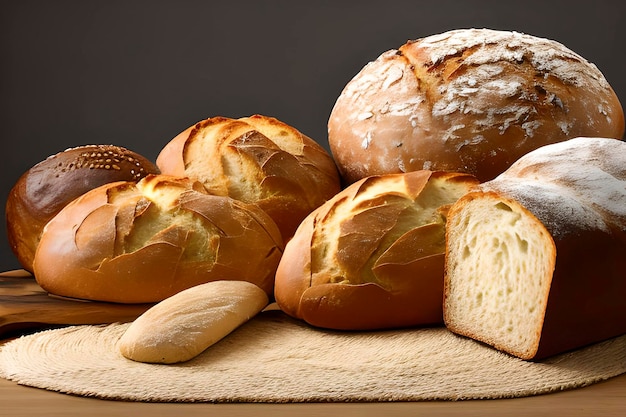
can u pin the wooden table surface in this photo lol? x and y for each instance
(604, 399)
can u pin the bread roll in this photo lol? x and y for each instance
(43, 190)
(535, 258)
(184, 325)
(372, 257)
(256, 159)
(142, 242)
(469, 100)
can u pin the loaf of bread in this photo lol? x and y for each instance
(535, 258)
(372, 257)
(255, 159)
(469, 100)
(142, 242)
(42, 191)
(184, 325)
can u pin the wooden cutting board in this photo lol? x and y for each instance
(25, 305)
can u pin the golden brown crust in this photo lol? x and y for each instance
(293, 274)
(412, 298)
(48, 186)
(467, 100)
(256, 159)
(136, 243)
(372, 256)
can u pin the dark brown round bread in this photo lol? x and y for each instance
(42, 191)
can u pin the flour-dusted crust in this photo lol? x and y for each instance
(587, 174)
(470, 100)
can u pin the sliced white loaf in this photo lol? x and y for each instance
(535, 258)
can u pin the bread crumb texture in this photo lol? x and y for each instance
(499, 270)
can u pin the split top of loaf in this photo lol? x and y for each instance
(372, 256)
(142, 242)
(256, 159)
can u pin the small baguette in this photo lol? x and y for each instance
(184, 325)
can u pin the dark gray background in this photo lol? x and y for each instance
(135, 73)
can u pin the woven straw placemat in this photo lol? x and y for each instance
(274, 358)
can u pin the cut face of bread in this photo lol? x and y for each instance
(499, 265)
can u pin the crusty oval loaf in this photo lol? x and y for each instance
(42, 191)
(535, 258)
(184, 325)
(372, 257)
(142, 242)
(470, 100)
(256, 159)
